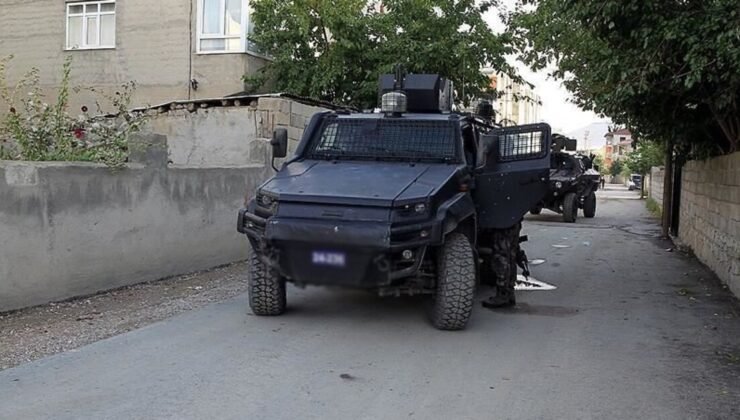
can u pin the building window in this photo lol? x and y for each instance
(91, 24)
(223, 26)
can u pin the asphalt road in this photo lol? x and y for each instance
(632, 331)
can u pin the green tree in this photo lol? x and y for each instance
(599, 161)
(639, 161)
(669, 70)
(336, 50)
(616, 168)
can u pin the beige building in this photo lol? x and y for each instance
(618, 145)
(516, 103)
(172, 49)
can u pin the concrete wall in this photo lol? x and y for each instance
(710, 215)
(70, 229)
(230, 136)
(155, 46)
(655, 184)
(73, 229)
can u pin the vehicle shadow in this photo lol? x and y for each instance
(338, 306)
(329, 302)
(545, 216)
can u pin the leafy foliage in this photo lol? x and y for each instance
(653, 207)
(599, 161)
(337, 50)
(647, 155)
(616, 168)
(32, 129)
(667, 69)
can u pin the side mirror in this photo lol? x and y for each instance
(279, 143)
(486, 144)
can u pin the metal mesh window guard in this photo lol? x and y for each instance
(381, 138)
(521, 146)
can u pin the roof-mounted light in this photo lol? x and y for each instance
(393, 103)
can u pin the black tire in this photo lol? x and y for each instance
(453, 302)
(589, 205)
(266, 288)
(536, 210)
(570, 207)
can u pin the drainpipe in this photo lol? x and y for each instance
(668, 188)
(190, 51)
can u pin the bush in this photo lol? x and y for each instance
(34, 130)
(616, 168)
(653, 207)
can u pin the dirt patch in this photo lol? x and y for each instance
(32, 333)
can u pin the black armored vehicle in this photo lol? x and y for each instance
(414, 199)
(574, 181)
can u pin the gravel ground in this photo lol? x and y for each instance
(40, 331)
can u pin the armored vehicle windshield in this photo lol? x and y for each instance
(373, 137)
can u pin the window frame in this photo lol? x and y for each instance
(84, 15)
(243, 35)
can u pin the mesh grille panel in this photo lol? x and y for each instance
(519, 146)
(380, 138)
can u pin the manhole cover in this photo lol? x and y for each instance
(530, 283)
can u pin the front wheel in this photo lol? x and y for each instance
(453, 302)
(266, 288)
(570, 207)
(589, 205)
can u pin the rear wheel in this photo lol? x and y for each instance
(589, 205)
(570, 207)
(266, 288)
(453, 302)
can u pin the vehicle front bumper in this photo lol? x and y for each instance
(371, 251)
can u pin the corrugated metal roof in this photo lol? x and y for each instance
(236, 99)
(620, 132)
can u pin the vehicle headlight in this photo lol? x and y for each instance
(413, 210)
(558, 185)
(266, 201)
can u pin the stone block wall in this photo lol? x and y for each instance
(232, 135)
(710, 215)
(282, 112)
(655, 184)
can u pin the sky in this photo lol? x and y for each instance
(557, 110)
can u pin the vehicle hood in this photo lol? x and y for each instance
(357, 182)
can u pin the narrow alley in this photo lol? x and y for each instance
(634, 329)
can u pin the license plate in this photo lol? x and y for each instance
(331, 259)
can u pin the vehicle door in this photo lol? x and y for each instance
(512, 173)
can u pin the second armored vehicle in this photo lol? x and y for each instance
(573, 182)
